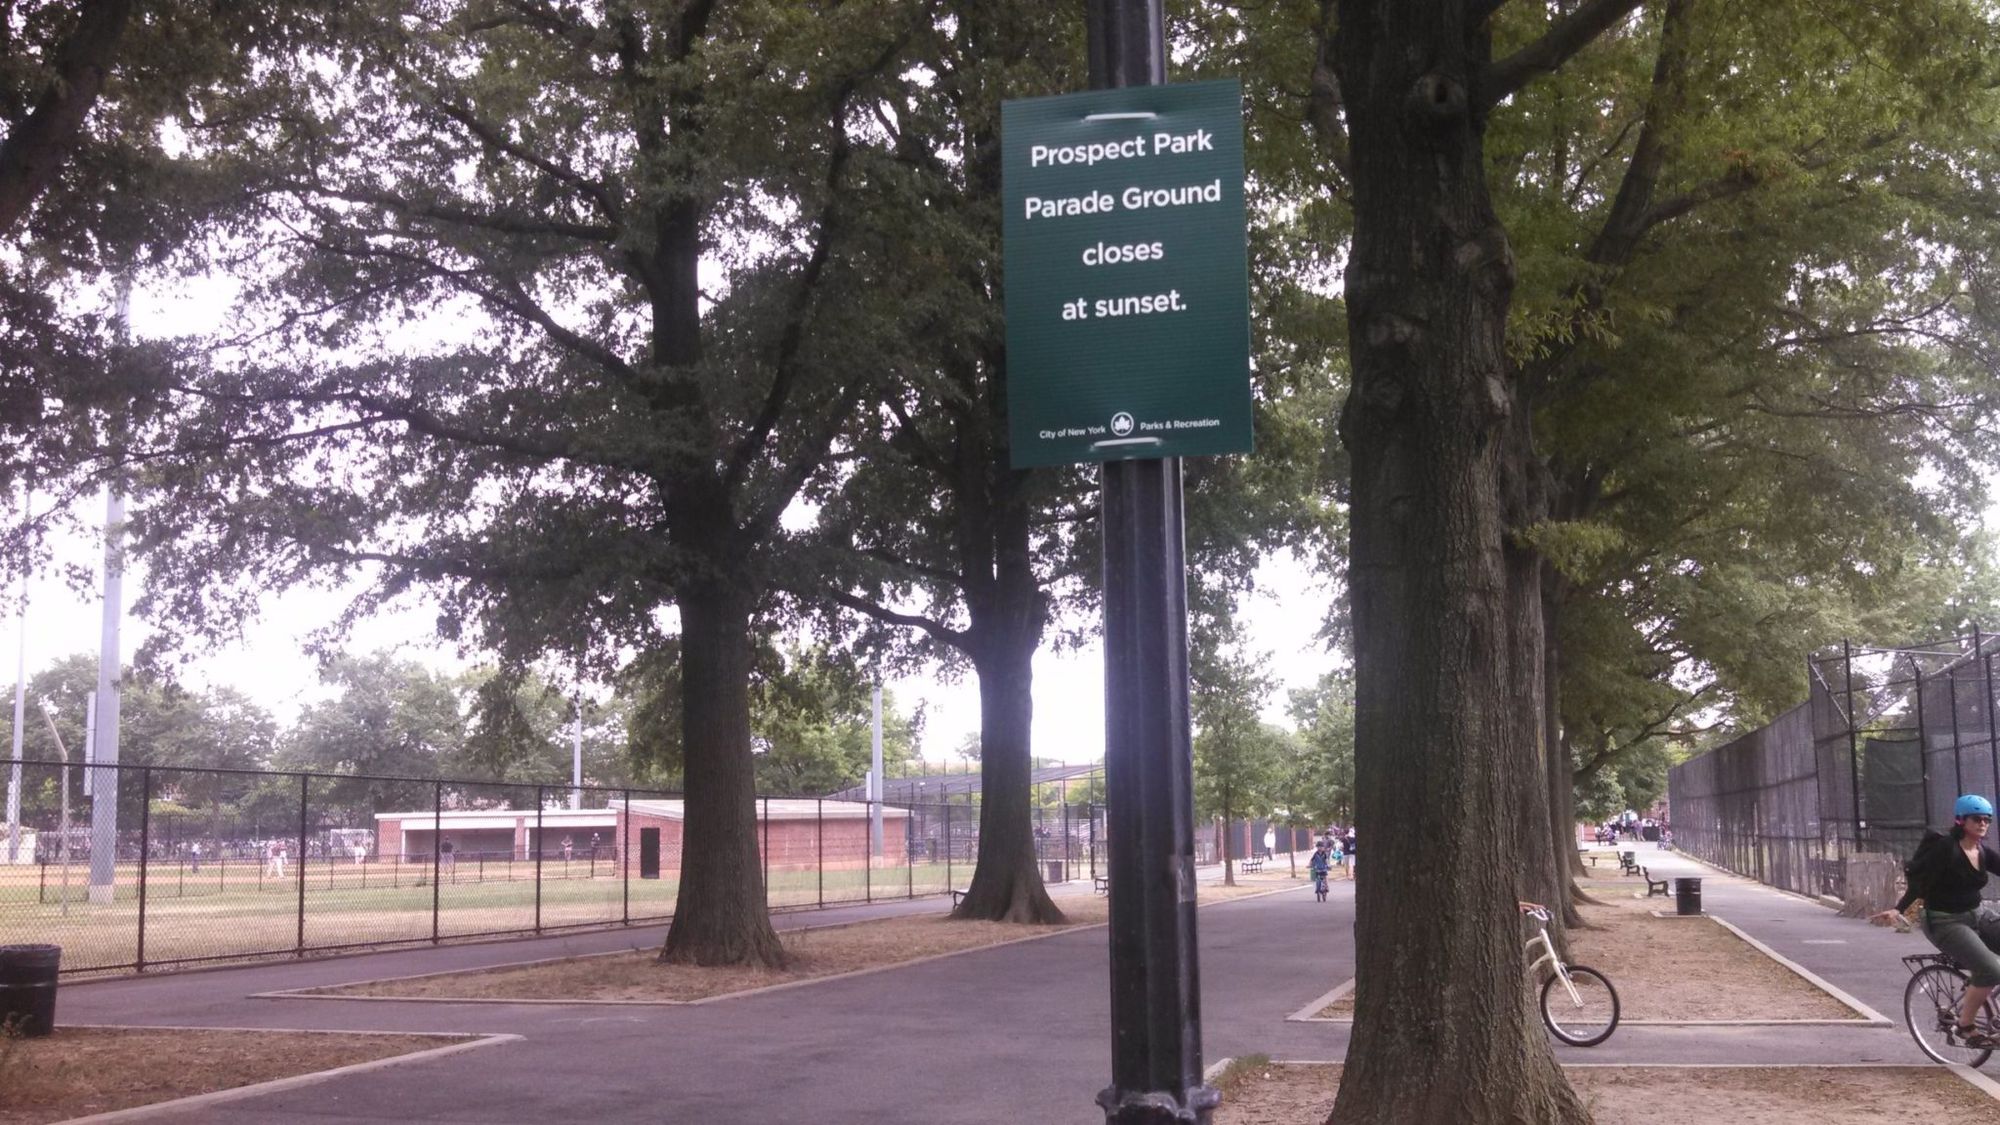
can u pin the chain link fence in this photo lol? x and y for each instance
(1884, 744)
(135, 867)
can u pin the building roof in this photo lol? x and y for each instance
(939, 787)
(469, 819)
(775, 808)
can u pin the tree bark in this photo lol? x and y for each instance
(1560, 772)
(1525, 485)
(1006, 883)
(1438, 621)
(720, 915)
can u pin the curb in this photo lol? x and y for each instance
(278, 1085)
(1973, 1078)
(1871, 1015)
(1309, 1013)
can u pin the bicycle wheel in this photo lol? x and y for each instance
(1587, 1020)
(1930, 1008)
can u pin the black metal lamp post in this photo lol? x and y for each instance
(1156, 1067)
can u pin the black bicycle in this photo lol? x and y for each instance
(1930, 1008)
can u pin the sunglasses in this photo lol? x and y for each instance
(1976, 818)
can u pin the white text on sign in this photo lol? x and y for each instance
(1131, 199)
(1097, 152)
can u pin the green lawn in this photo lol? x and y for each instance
(240, 911)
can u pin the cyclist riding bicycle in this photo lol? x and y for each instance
(1947, 873)
(1322, 862)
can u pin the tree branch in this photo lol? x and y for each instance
(1619, 237)
(1564, 38)
(938, 631)
(1323, 102)
(459, 216)
(32, 155)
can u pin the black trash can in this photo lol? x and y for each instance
(28, 988)
(1687, 896)
(1056, 871)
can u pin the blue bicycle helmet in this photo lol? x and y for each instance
(1972, 804)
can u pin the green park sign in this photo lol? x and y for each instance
(1128, 291)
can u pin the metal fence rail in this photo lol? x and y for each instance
(203, 865)
(1885, 742)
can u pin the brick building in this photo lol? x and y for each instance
(795, 833)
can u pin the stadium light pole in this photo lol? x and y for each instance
(1156, 1071)
(576, 760)
(20, 717)
(104, 749)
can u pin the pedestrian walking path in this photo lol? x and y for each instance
(1011, 1032)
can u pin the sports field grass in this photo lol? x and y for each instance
(241, 911)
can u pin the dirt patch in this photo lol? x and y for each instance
(79, 1071)
(1294, 1094)
(641, 976)
(1651, 961)
(816, 953)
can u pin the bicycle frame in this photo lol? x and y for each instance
(1549, 956)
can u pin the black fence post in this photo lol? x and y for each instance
(909, 859)
(1853, 747)
(1923, 758)
(1992, 734)
(539, 801)
(437, 856)
(305, 802)
(766, 850)
(1957, 771)
(625, 861)
(1065, 808)
(949, 886)
(1091, 811)
(819, 842)
(145, 852)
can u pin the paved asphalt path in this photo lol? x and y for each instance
(1012, 1033)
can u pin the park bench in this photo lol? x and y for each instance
(1250, 866)
(1102, 883)
(1653, 886)
(957, 896)
(1588, 857)
(1628, 863)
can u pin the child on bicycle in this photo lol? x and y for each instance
(1947, 873)
(1322, 862)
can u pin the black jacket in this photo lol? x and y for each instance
(1940, 875)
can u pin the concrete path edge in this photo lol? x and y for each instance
(275, 1085)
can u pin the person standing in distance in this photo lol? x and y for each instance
(1947, 873)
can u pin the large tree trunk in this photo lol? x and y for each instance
(1008, 615)
(1006, 884)
(1438, 730)
(1544, 874)
(720, 916)
(1559, 774)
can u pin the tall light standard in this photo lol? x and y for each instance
(20, 717)
(104, 751)
(576, 760)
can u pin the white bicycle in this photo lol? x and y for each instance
(1583, 1012)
